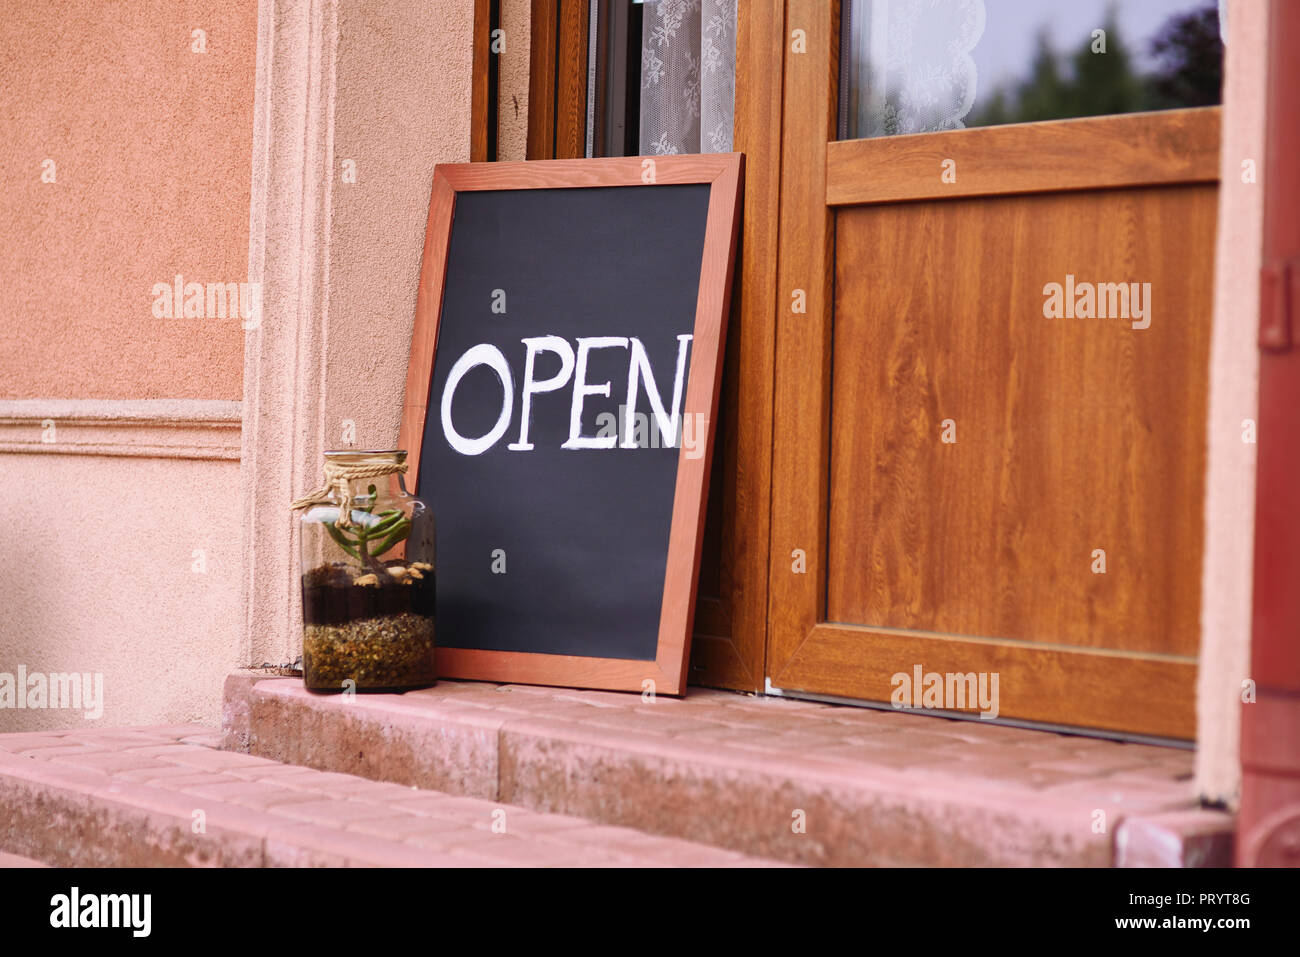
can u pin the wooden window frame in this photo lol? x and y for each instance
(557, 80)
(483, 83)
(731, 630)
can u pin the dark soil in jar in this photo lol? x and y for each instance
(378, 635)
(334, 594)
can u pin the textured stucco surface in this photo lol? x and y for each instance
(1234, 397)
(150, 143)
(101, 574)
(123, 531)
(396, 121)
(512, 80)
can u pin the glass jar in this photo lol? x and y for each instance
(368, 585)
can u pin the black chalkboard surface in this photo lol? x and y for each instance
(560, 404)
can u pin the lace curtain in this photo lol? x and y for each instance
(688, 76)
(910, 65)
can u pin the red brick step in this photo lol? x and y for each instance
(13, 860)
(158, 797)
(766, 777)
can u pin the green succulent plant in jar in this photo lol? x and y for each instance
(368, 580)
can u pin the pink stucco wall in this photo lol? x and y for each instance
(134, 578)
(150, 144)
(120, 429)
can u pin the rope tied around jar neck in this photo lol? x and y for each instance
(338, 482)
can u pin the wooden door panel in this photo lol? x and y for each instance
(1072, 434)
(910, 290)
(1135, 693)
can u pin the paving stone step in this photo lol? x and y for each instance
(770, 778)
(14, 860)
(164, 796)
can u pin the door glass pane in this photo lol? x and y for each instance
(921, 66)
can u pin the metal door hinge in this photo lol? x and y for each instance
(1279, 291)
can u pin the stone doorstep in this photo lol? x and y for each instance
(770, 778)
(1195, 838)
(153, 797)
(13, 860)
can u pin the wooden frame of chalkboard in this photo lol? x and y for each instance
(723, 175)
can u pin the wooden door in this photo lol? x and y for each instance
(962, 483)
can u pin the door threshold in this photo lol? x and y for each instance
(1105, 735)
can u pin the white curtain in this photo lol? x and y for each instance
(688, 76)
(910, 63)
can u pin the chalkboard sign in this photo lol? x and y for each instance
(560, 405)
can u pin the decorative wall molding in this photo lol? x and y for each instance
(140, 428)
(284, 357)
